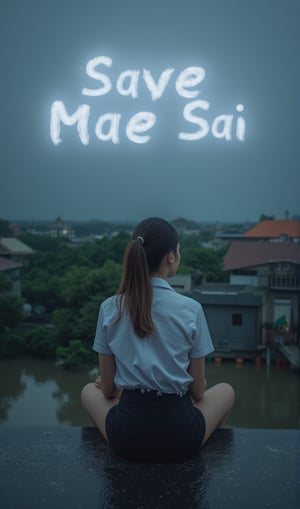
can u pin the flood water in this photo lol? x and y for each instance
(39, 393)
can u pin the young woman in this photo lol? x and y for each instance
(151, 402)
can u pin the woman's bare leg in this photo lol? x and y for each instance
(97, 406)
(216, 406)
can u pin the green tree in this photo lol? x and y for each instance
(42, 342)
(118, 245)
(5, 230)
(75, 354)
(11, 315)
(5, 284)
(11, 311)
(107, 279)
(64, 320)
(94, 254)
(76, 287)
(42, 243)
(11, 343)
(79, 284)
(209, 261)
(40, 287)
(85, 326)
(71, 282)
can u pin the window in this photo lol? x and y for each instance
(236, 319)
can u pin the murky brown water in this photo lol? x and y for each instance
(35, 392)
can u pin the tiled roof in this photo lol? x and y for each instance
(12, 246)
(6, 264)
(274, 228)
(252, 254)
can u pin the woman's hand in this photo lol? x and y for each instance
(117, 391)
(98, 382)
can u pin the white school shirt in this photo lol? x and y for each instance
(159, 361)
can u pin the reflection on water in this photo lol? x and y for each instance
(35, 392)
(11, 388)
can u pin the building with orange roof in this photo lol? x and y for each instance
(275, 230)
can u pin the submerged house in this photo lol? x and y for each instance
(234, 317)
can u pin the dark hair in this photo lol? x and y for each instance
(151, 240)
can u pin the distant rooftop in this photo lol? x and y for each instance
(275, 228)
(12, 246)
(252, 254)
(6, 264)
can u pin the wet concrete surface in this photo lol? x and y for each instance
(69, 467)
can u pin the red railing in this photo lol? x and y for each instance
(272, 336)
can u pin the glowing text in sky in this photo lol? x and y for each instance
(138, 128)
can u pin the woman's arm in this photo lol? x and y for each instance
(107, 366)
(197, 371)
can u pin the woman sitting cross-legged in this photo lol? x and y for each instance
(151, 402)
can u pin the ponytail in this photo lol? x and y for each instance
(153, 238)
(135, 292)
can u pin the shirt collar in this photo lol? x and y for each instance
(158, 282)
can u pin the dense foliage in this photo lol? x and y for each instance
(65, 284)
(68, 282)
(11, 315)
(5, 230)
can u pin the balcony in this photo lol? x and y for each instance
(284, 282)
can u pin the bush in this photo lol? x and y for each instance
(11, 344)
(41, 342)
(75, 354)
(11, 314)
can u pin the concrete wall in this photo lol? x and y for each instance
(233, 327)
(181, 282)
(234, 317)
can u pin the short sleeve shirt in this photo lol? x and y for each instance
(159, 361)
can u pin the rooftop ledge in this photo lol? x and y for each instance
(70, 467)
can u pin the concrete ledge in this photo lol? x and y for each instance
(65, 467)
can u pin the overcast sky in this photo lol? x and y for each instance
(248, 54)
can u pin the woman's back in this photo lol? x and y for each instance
(159, 361)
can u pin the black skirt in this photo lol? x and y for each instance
(145, 426)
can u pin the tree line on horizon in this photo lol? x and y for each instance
(101, 227)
